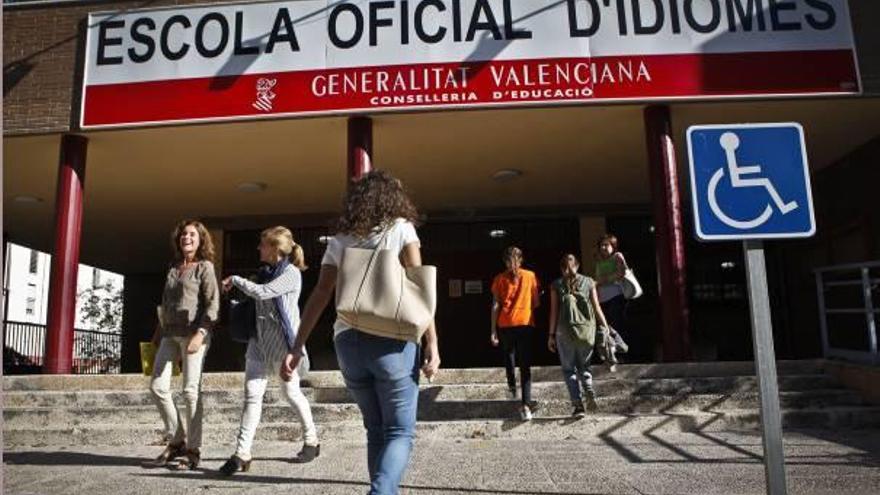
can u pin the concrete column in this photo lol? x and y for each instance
(65, 260)
(360, 147)
(675, 335)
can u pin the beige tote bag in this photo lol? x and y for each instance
(377, 295)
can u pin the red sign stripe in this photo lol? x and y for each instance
(473, 84)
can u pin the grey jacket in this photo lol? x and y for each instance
(190, 300)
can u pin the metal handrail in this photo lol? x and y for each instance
(95, 351)
(867, 307)
(848, 266)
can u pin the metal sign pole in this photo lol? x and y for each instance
(765, 364)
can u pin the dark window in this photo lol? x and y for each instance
(35, 258)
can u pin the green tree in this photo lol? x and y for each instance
(100, 349)
(102, 307)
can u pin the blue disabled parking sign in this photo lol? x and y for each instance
(750, 181)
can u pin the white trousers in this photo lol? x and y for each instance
(187, 429)
(256, 379)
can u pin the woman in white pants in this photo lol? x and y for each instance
(190, 305)
(277, 296)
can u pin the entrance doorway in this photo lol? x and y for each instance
(469, 257)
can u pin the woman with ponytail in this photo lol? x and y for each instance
(277, 296)
(575, 349)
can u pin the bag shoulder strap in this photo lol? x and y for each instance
(384, 236)
(370, 264)
(618, 255)
(360, 243)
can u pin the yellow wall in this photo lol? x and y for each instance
(591, 229)
(217, 237)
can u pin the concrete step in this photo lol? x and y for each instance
(431, 409)
(637, 400)
(445, 377)
(559, 405)
(488, 391)
(605, 426)
(52, 417)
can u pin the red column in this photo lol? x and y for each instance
(675, 336)
(65, 261)
(360, 147)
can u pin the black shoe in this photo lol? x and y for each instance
(234, 465)
(308, 454)
(534, 405)
(579, 411)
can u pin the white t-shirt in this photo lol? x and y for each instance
(402, 233)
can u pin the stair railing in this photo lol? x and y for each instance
(837, 277)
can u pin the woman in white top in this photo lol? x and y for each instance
(381, 373)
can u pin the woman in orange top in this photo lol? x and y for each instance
(515, 297)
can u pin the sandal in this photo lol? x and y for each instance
(171, 452)
(190, 461)
(234, 465)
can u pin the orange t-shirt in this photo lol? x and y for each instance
(515, 298)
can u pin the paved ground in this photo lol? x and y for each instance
(705, 464)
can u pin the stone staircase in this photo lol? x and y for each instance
(467, 403)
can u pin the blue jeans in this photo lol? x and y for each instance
(383, 376)
(574, 356)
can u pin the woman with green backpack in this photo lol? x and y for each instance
(575, 315)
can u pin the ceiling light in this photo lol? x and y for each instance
(506, 174)
(252, 187)
(324, 239)
(27, 199)
(497, 233)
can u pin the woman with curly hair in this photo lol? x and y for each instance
(190, 305)
(381, 373)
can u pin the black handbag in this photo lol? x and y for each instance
(242, 319)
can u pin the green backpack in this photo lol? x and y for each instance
(577, 313)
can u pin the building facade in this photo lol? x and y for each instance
(543, 124)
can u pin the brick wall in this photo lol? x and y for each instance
(41, 49)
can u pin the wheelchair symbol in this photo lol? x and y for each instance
(730, 142)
